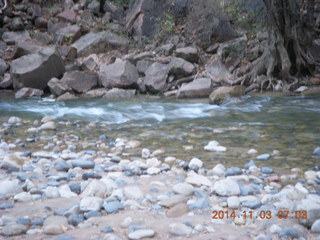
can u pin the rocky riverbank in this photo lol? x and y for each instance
(62, 189)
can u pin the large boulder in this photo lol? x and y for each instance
(218, 71)
(120, 74)
(98, 42)
(117, 93)
(181, 68)
(58, 87)
(199, 88)
(14, 37)
(28, 92)
(25, 47)
(35, 70)
(188, 53)
(156, 77)
(221, 94)
(80, 81)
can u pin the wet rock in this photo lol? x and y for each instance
(198, 180)
(264, 157)
(226, 187)
(55, 225)
(48, 126)
(173, 200)
(13, 229)
(58, 87)
(28, 92)
(140, 234)
(177, 210)
(35, 70)
(315, 228)
(14, 37)
(133, 192)
(188, 53)
(80, 81)
(183, 188)
(84, 164)
(233, 171)
(117, 93)
(222, 94)
(119, 74)
(66, 97)
(179, 229)
(156, 76)
(198, 88)
(9, 188)
(98, 42)
(91, 204)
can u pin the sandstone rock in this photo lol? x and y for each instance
(222, 94)
(98, 42)
(58, 87)
(119, 75)
(117, 93)
(199, 88)
(80, 81)
(156, 77)
(35, 70)
(28, 92)
(55, 225)
(188, 53)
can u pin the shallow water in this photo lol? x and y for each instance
(289, 124)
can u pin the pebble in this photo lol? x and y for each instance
(183, 188)
(133, 192)
(200, 203)
(252, 204)
(177, 210)
(13, 229)
(263, 237)
(218, 170)
(288, 232)
(226, 187)
(91, 214)
(6, 205)
(112, 207)
(22, 197)
(180, 229)
(55, 225)
(62, 166)
(92, 175)
(107, 229)
(233, 202)
(143, 233)
(95, 188)
(214, 146)
(145, 153)
(75, 219)
(153, 171)
(267, 170)
(48, 126)
(195, 164)
(315, 228)
(264, 157)
(91, 204)
(274, 228)
(65, 237)
(173, 200)
(198, 180)
(85, 164)
(233, 171)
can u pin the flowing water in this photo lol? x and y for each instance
(288, 124)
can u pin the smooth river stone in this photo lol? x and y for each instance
(226, 187)
(85, 164)
(133, 192)
(198, 180)
(91, 204)
(183, 188)
(143, 233)
(177, 210)
(173, 200)
(180, 229)
(55, 225)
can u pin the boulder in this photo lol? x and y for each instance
(221, 94)
(98, 42)
(35, 70)
(199, 88)
(156, 77)
(58, 87)
(181, 68)
(117, 93)
(3, 67)
(232, 52)
(25, 47)
(67, 34)
(188, 53)
(6, 82)
(14, 37)
(66, 96)
(68, 15)
(218, 71)
(80, 81)
(28, 92)
(120, 74)
(143, 65)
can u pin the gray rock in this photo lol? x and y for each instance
(28, 92)
(91, 204)
(233, 171)
(67, 35)
(13, 229)
(6, 81)
(3, 67)
(112, 207)
(233, 202)
(14, 37)
(181, 68)
(200, 203)
(80, 81)
(156, 76)
(267, 170)
(226, 187)
(98, 42)
(9, 188)
(316, 151)
(218, 71)
(252, 204)
(133, 192)
(48, 126)
(289, 232)
(183, 188)
(143, 233)
(95, 188)
(119, 75)
(35, 70)
(199, 88)
(178, 210)
(143, 65)
(107, 229)
(179, 229)
(167, 49)
(316, 227)
(173, 200)
(75, 219)
(58, 87)
(198, 180)
(223, 94)
(85, 164)
(55, 225)
(311, 208)
(263, 237)
(22, 48)
(188, 53)
(17, 24)
(264, 157)
(66, 97)
(195, 164)
(117, 93)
